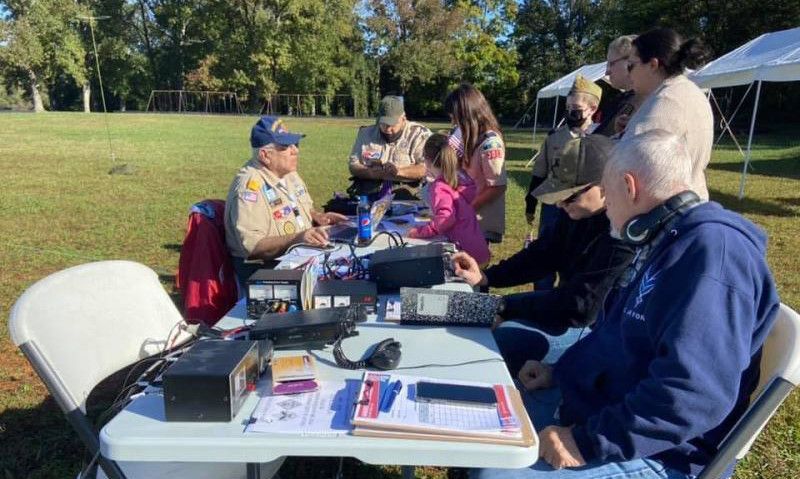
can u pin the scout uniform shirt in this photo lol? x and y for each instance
(371, 148)
(487, 168)
(548, 163)
(261, 205)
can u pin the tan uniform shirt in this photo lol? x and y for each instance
(680, 107)
(548, 162)
(487, 168)
(370, 148)
(261, 205)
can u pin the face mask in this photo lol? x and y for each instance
(575, 118)
(392, 138)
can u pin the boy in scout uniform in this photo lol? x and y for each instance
(268, 207)
(389, 152)
(582, 102)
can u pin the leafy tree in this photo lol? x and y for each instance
(41, 40)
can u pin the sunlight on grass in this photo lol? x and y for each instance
(59, 207)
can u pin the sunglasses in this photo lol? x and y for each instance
(574, 196)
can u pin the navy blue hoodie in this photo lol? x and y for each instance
(674, 356)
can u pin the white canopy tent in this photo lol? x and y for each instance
(773, 57)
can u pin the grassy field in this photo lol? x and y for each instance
(59, 207)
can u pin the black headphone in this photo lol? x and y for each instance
(640, 229)
(385, 356)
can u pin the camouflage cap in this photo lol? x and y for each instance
(391, 109)
(584, 85)
(581, 163)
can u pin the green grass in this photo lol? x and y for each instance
(59, 207)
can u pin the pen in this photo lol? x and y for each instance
(388, 401)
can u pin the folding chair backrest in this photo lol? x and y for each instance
(780, 374)
(82, 324)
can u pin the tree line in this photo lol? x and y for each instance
(361, 48)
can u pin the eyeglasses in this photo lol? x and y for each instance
(631, 65)
(574, 196)
(613, 62)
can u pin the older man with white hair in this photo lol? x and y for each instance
(269, 207)
(674, 355)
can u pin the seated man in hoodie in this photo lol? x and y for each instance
(675, 353)
(542, 324)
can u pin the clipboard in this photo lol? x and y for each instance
(523, 436)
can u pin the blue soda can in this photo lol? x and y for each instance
(364, 220)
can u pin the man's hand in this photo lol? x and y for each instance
(330, 218)
(535, 375)
(557, 447)
(316, 236)
(412, 233)
(467, 268)
(391, 170)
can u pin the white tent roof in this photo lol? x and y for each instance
(771, 57)
(562, 86)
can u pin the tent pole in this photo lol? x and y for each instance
(750, 141)
(726, 125)
(535, 119)
(735, 111)
(555, 112)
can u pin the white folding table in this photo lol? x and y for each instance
(140, 433)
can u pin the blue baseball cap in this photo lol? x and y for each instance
(270, 129)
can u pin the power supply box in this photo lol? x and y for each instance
(273, 291)
(416, 266)
(210, 382)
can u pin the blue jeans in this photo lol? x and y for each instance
(549, 213)
(519, 342)
(542, 405)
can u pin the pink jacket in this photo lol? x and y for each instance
(455, 218)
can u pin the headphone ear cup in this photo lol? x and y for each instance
(636, 231)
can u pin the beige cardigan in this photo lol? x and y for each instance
(680, 107)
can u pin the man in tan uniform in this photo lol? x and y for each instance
(268, 207)
(389, 153)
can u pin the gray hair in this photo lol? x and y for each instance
(622, 45)
(657, 158)
(255, 153)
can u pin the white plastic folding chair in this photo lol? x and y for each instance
(780, 374)
(80, 325)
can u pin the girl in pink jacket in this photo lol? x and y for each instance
(450, 196)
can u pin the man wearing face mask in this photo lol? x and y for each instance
(387, 156)
(582, 103)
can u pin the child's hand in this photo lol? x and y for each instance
(412, 233)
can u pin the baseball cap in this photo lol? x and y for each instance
(270, 129)
(391, 109)
(581, 163)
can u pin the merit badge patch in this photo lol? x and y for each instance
(287, 211)
(289, 227)
(253, 185)
(277, 214)
(250, 196)
(300, 191)
(269, 193)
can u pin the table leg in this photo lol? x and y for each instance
(408, 472)
(253, 470)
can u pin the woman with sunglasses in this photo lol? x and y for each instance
(671, 102)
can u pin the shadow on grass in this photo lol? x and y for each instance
(750, 205)
(176, 247)
(38, 442)
(788, 167)
(520, 176)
